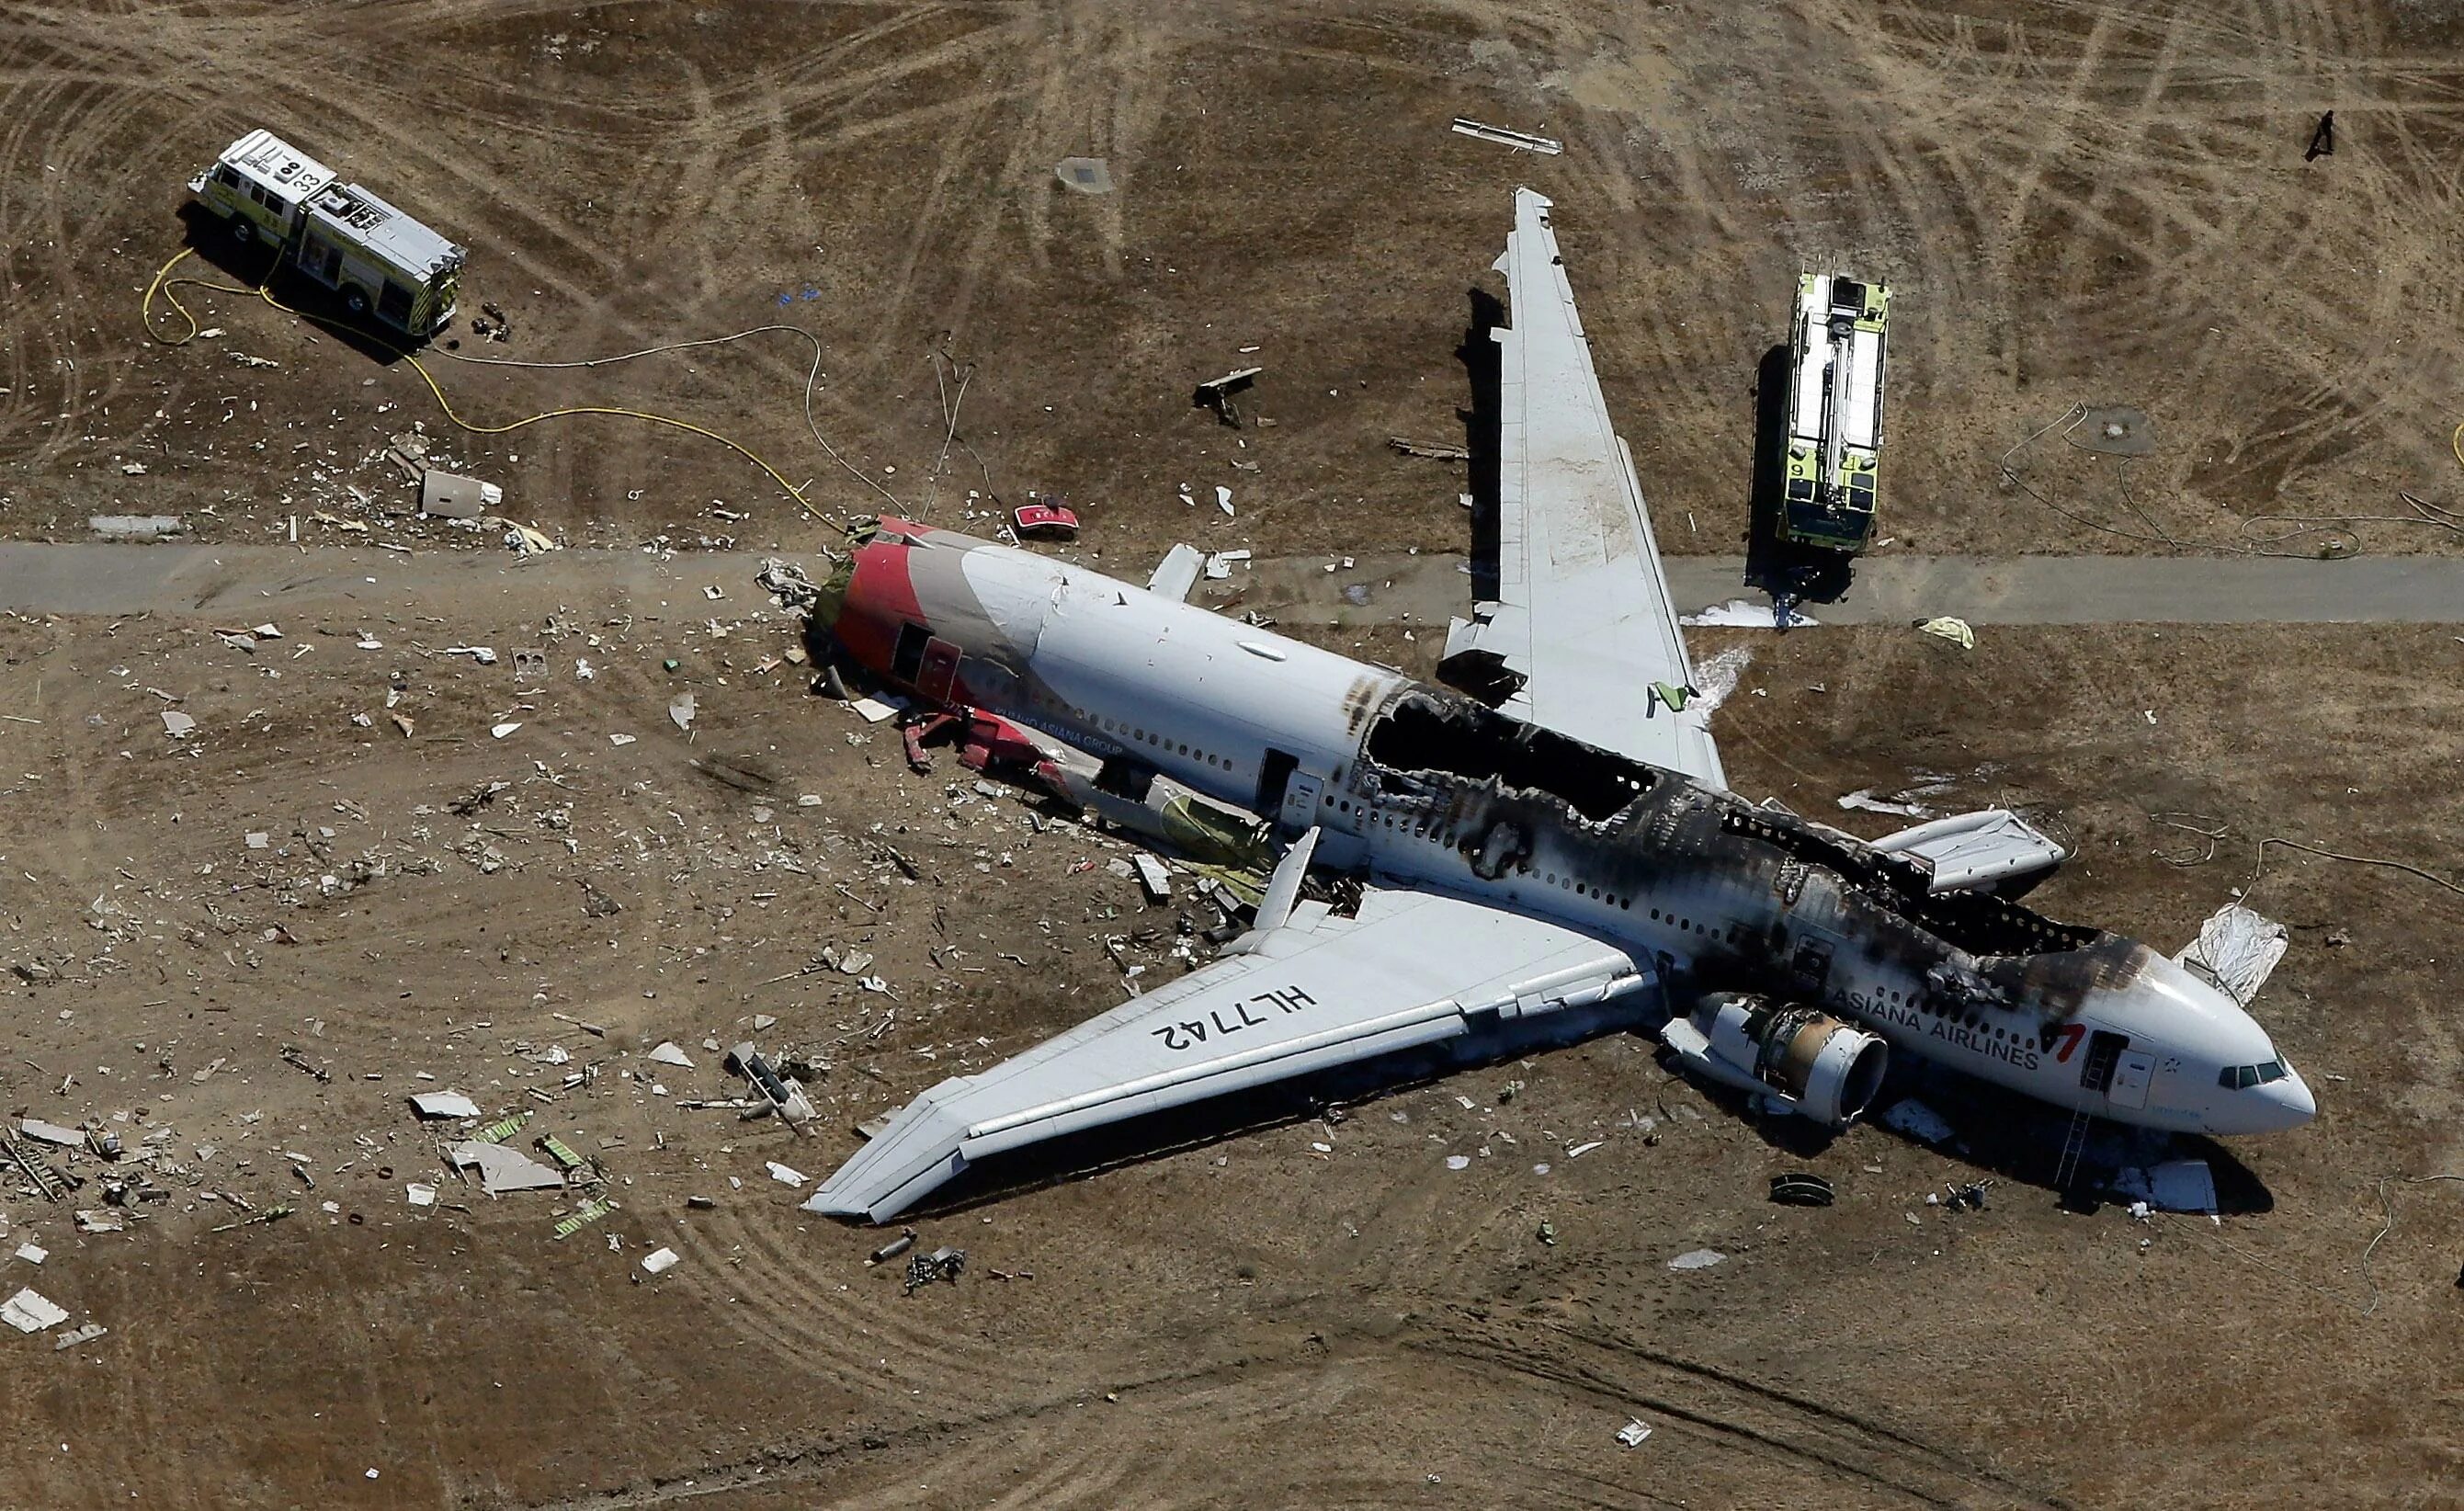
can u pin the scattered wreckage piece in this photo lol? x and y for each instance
(778, 1094)
(502, 1169)
(1801, 1188)
(451, 495)
(1084, 175)
(1434, 453)
(1992, 849)
(32, 1312)
(443, 1105)
(2236, 949)
(1217, 394)
(1055, 521)
(584, 1215)
(1504, 136)
(941, 1265)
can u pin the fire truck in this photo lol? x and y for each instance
(1835, 435)
(381, 262)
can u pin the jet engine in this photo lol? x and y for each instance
(1801, 1059)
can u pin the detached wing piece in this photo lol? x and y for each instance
(1990, 849)
(1315, 992)
(1582, 616)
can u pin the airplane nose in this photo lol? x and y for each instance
(2288, 1103)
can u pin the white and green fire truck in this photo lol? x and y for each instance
(381, 262)
(1835, 433)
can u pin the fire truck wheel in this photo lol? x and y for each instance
(356, 301)
(241, 231)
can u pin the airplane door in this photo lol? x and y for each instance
(1301, 795)
(940, 671)
(2132, 1070)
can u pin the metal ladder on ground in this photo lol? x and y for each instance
(2073, 1145)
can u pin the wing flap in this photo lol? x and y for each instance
(1311, 997)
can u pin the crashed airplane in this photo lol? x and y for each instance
(1562, 859)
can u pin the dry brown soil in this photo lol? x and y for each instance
(2089, 202)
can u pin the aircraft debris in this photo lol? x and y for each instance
(681, 710)
(420, 1193)
(1153, 877)
(895, 1247)
(658, 1262)
(668, 1054)
(32, 1253)
(941, 1265)
(1084, 175)
(1218, 393)
(1458, 1162)
(503, 1170)
(1520, 140)
(1800, 1189)
(784, 1175)
(50, 1132)
(1863, 800)
(451, 495)
(177, 725)
(1044, 519)
(1633, 1433)
(31, 1312)
(1944, 626)
(2236, 949)
(788, 1101)
(1440, 453)
(1696, 1260)
(444, 1105)
(78, 1335)
(584, 1215)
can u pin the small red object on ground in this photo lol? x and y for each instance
(1030, 518)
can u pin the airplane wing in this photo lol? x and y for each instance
(1582, 616)
(1412, 968)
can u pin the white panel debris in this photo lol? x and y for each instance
(658, 1262)
(28, 1311)
(1697, 1259)
(785, 1175)
(668, 1054)
(444, 1105)
(1520, 140)
(2236, 949)
(50, 1132)
(502, 1169)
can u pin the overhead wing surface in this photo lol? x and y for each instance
(1583, 615)
(1320, 990)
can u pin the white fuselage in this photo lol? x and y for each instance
(1266, 723)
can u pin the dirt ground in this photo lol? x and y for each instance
(2075, 203)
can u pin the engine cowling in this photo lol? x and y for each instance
(1799, 1056)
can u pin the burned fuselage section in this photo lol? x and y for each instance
(1718, 896)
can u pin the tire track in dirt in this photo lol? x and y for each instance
(1755, 1419)
(782, 1299)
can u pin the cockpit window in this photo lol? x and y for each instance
(2241, 1077)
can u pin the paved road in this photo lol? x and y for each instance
(258, 582)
